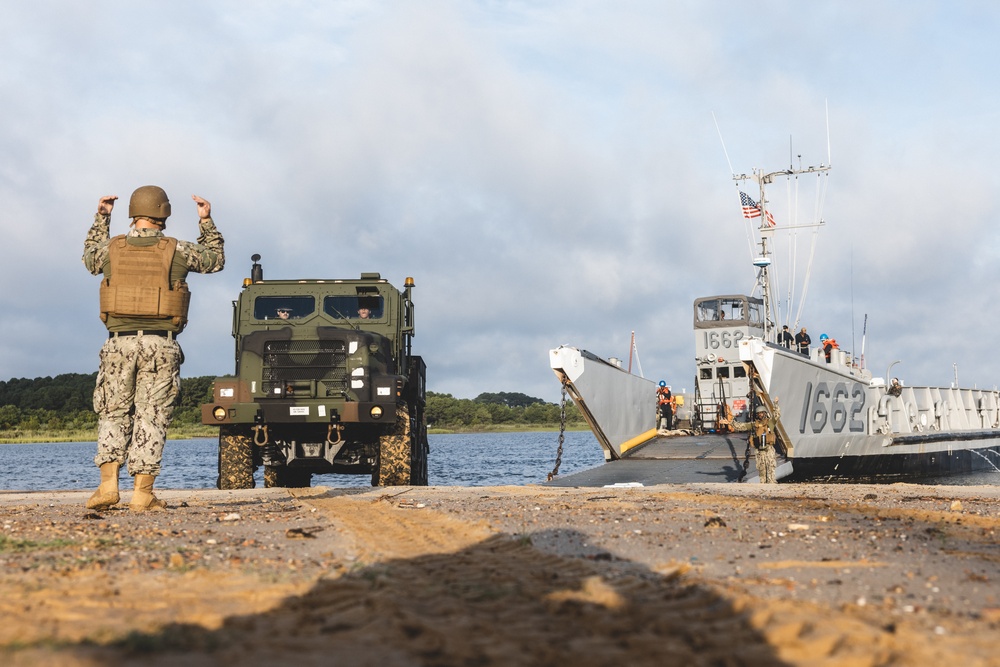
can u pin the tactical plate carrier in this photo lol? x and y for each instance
(325, 383)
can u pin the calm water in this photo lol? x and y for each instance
(477, 459)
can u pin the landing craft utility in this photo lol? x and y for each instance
(325, 382)
(797, 413)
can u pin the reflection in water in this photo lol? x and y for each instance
(467, 459)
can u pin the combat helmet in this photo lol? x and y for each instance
(149, 201)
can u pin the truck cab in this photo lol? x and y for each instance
(324, 382)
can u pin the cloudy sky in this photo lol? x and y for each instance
(548, 172)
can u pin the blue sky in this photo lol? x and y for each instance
(548, 173)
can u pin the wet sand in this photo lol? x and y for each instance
(690, 574)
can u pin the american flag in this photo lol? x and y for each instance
(752, 210)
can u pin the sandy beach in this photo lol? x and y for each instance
(688, 574)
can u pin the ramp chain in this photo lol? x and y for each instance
(562, 433)
(752, 395)
(746, 461)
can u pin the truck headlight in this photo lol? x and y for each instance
(376, 412)
(219, 412)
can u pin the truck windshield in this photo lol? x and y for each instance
(353, 307)
(283, 307)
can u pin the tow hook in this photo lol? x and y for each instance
(329, 432)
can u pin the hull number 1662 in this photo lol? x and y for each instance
(838, 404)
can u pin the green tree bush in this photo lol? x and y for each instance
(64, 403)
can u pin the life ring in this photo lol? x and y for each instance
(711, 357)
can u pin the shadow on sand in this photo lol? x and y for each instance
(499, 602)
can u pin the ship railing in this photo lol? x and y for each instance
(924, 409)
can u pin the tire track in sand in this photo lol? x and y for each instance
(383, 529)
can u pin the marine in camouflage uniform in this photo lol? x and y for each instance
(765, 427)
(139, 376)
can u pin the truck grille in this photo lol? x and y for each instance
(287, 362)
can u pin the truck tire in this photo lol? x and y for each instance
(394, 464)
(420, 450)
(281, 476)
(235, 458)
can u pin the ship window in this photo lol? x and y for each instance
(707, 311)
(706, 373)
(720, 311)
(354, 307)
(731, 309)
(739, 371)
(722, 372)
(283, 307)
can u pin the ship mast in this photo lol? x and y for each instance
(766, 231)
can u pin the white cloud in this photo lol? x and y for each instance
(548, 172)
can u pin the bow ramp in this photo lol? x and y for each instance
(619, 407)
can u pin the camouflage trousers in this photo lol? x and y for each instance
(766, 464)
(137, 387)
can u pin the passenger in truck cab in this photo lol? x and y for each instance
(284, 313)
(368, 308)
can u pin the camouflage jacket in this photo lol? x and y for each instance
(205, 256)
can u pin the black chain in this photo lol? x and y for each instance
(752, 396)
(746, 459)
(562, 434)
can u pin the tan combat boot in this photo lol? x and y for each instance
(143, 498)
(107, 493)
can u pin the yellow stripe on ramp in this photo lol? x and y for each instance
(638, 440)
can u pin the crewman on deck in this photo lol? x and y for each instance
(802, 342)
(665, 405)
(829, 345)
(785, 338)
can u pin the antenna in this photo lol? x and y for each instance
(723, 143)
(829, 155)
(864, 334)
(853, 348)
(749, 227)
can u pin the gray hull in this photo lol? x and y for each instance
(837, 423)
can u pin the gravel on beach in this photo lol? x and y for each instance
(710, 574)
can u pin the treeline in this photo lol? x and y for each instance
(65, 403)
(502, 410)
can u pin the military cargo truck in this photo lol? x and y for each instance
(325, 382)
